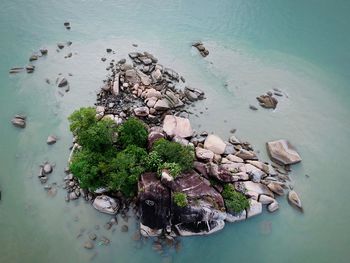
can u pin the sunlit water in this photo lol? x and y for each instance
(300, 48)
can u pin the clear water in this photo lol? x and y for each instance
(301, 47)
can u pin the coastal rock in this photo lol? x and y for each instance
(273, 207)
(276, 188)
(154, 207)
(229, 149)
(234, 158)
(141, 111)
(146, 80)
(224, 173)
(154, 136)
(201, 168)
(152, 93)
(204, 154)
(115, 87)
(44, 51)
(88, 245)
(267, 101)
(33, 57)
(246, 155)
(266, 168)
(106, 204)
(162, 105)
(282, 152)
(131, 76)
(51, 139)
(256, 187)
(177, 126)
(200, 228)
(215, 144)
(236, 217)
(202, 50)
(252, 107)
(265, 200)
(234, 140)
(255, 173)
(254, 209)
(294, 200)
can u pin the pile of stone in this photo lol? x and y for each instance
(45, 170)
(19, 121)
(267, 101)
(144, 89)
(201, 48)
(73, 189)
(217, 163)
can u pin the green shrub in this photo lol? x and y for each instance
(82, 119)
(124, 170)
(180, 199)
(132, 132)
(153, 161)
(172, 152)
(235, 201)
(86, 167)
(173, 168)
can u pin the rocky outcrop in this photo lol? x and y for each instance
(202, 50)
(282, 152)
(154, 207)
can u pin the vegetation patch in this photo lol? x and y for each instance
(180, 199)
(235, 201)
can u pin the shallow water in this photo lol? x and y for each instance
(301, 47)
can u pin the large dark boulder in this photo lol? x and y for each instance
(154, 206)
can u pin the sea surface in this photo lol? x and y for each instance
(299, 46)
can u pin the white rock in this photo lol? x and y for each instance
(254, 209)
(257, 188)
(51, 139)
(106, 204)
(255, 173)
(236, 217)
(267, 168)
(273, 207)
(215, 144)
(177, 126)
(115, 87)
(265, 200)
(294, 199)
(204, 154)
(234, 158)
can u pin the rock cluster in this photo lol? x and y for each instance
(145, 89)
(217, 163)
(45, 170)
(201, 48)
(30, 68)
(267, 101)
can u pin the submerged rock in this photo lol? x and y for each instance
(282, 152)
(19, 121)
(51, 139)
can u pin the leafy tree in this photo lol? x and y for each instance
(132, 132)
(173, 152)
(180, 199)
(153, 161)
(235, 201)
(124, 170)
(82, 119)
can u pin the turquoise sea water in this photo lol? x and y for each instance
(301, 47)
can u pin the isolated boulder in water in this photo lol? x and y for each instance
(154, 205)
(215, 144)
(177, 126)
(267, 101)
(294, 199)
(106, 204)
(282, 152)
(19, 121)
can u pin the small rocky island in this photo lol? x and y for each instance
(136, 148)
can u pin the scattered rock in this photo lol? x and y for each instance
(88, 245)
(273, 207)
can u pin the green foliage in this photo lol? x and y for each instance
(86, 166)
(180, 199)
(132, 132)
(235, 201)
(172, 152)
(173, 168)
(153, 161)
(82, 119)
(124, 170)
